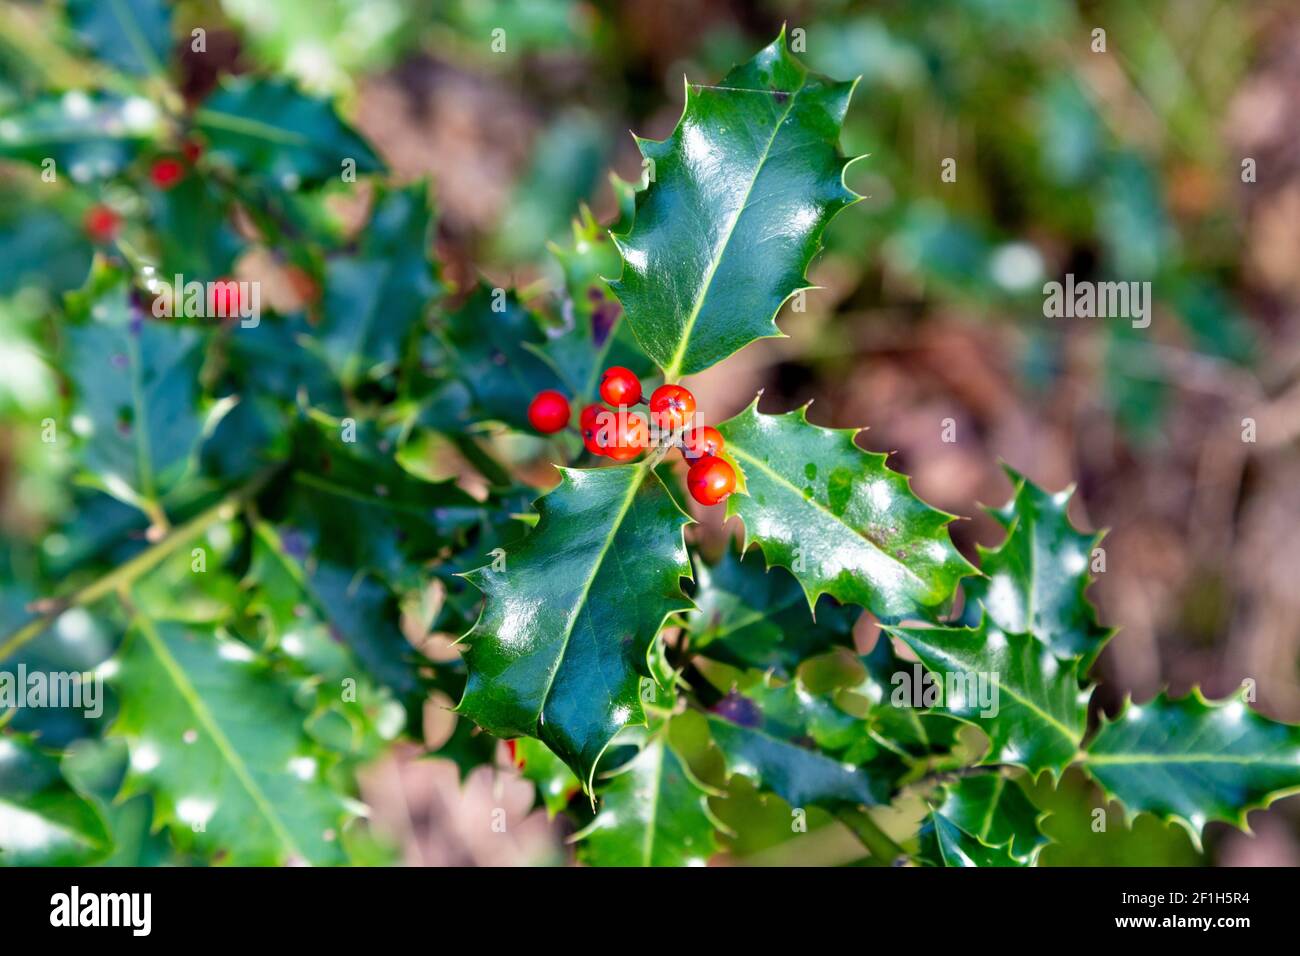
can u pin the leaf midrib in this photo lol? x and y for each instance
(205, 717)
(675, 364)
(1120, 759)
(617, 523)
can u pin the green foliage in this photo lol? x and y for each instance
(240, 530)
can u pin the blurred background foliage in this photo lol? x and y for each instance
(1116, 165)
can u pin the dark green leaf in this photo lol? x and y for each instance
(43, 820)
(269, 129)
(1035, 581)
(653, 812)
(738, 198)
(132, 35)
(836, 516)
(571, 615)
(1011, 687)
(747, 616)
(216, 739)
(1195, 760)
(88, 135)
(375, 297)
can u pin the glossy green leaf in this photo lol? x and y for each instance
(1193, 760)
(88, 135)
(376, 296)
(1035, 581)
(572, 612)
(943, 843)
(269, 129)
(653, 812)
(993, 808)
(749, 616)
(132, 35)
(216, 739)
(801, 747)
(43, 820)
(734, 212)
(488, 346)
(838, 518)
(1011, 687)
(137, 407)
(913, 731)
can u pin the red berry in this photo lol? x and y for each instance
(619, 386)
(193, 149)
(101, 223)
(167, 172)
(702, 442)
(671, 407)
(631, 436)
(710, 480)
(223, 298)
(549, 411)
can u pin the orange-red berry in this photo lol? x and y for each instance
(549, 411)
(710, 480)
(619, 386)
(702, 441)
(671, 406)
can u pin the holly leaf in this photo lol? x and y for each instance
(838, 518)
(88, 135)
(943, 843)
(1011, 687)
(738, 198)
(995, 810)
(132, 35)
(267, 128)
(567, 630)
(43, 820)
(1194, 760)
(748, 616)
(1035, 581)
(136, 411)
(653, 812)
(215, 738)
(801, 747)
(376, 296)
(490, 342)
(193, 230)
(913, 731)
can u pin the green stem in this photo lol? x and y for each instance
(876, 840)
(128, 571)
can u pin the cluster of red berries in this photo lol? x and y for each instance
(623, 435)
(102, 222)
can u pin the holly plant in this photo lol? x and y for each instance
(242, 534)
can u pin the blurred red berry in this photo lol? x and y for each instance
(223, 298)
(101, 223)
(166, 172)
(549, 411)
